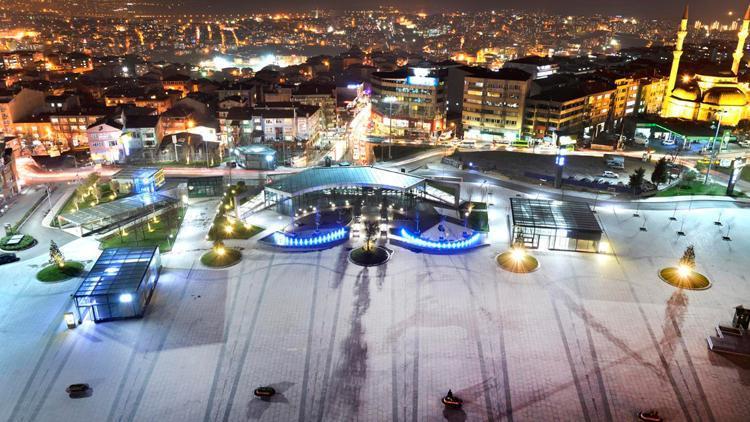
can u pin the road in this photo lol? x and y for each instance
(33, 225)
(666, 204)
(31, 174)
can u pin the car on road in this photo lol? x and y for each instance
(7, 258)
(667, 142)
(744, 144)
(610, 174)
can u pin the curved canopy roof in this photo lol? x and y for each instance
(319, 178)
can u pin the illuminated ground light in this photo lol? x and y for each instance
(517, 260)
(322, 239)
(684, 277)
(442, 245)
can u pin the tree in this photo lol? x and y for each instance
(636, 179)
(55, 255)
(660, 172)
(371, 230)
(688, 257)
(519, 242)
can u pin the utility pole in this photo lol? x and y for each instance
(712, 155)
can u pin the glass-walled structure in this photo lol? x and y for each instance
(556, 225)
(120, 284)
(319, 187)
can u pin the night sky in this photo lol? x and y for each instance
(700, 9)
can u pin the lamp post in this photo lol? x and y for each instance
(390, 100)
(712, 154)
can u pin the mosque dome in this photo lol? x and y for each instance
(725, 96)
(687, 93)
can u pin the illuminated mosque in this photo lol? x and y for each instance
(709, 94)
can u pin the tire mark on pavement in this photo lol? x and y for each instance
(308, 352)
(248, 341)
(329, 358)
(394, 350)
(701, 392)
(503, 358)
(53, 379)
(569, 356)
(222, 353)
(50, 333)
(132, 375)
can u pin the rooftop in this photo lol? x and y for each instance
(320, 178)
(560, 215)
(118, 270)
(136, 172)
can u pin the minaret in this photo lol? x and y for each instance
(741, 37)
(681, 34)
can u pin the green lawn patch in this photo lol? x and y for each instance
(229, 257)
(696, 188)
(25, 243)
(151, 233)
(54, 272)
(239, 230)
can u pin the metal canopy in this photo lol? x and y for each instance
(136, 173)
(316, 179)
(118, 209)
(558, 215)
(118, 270)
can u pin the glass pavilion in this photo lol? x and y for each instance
(120, 284)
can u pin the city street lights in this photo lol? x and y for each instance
(712, 154)
(390, 100)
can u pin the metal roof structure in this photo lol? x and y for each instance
(118, 209)
(557, 215)
(118, 270)
(319, 178)
(136, 173)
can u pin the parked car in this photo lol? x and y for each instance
(744, 144)
(7, 258)
(610, 174)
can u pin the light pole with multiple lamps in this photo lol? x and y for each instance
(390, 100)
(712, 152)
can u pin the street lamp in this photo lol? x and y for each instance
(712, 155)
(390, 100)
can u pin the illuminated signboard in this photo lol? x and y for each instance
(421, 80)
(421, 77)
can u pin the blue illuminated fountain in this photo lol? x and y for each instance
(319, 240)
(443, 245)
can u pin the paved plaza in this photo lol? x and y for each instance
(585, 338)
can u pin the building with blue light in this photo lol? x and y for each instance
(138, 180)
(410, 102)
(119, 285)
(255, 157)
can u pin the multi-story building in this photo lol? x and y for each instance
(569, 114)
(651, 95)
(178, 82)
(22, 105)
(290, 128)
(538, 67)
(322, 96)
(493, 104)
(69, 127)
(103, 140)
(8, 172)
(140, 137)
(410, 101)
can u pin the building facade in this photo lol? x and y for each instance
(410, 102)
(494, 104)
